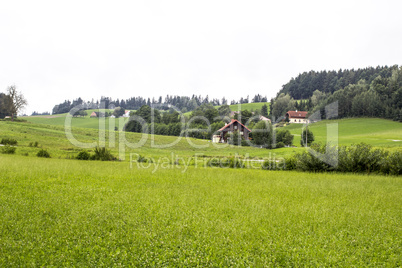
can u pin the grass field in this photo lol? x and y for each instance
(58, 212)
(377, 132)
(53, 139)
(374, 131)
(242, 107)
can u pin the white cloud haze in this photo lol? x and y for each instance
(57, 50)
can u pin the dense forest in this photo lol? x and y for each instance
(369, 92)
(184, 103)
(303, 86)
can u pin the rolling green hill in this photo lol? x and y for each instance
(374, 131)
(241, 107)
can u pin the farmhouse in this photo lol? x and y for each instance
(126, 113)
(233, 126)
(299, 117)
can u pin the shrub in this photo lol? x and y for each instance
(33, 144)
(8, 141)
(43, 153)
(393, 164)
(310, 138)
(8, 149)
(144, 159)
(103, 154)
(83, 155)
(280, 145)
(232, 162)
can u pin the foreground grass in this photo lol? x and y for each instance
(77, 213)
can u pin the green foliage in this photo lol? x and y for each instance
(8, 141)
(81, 113)
(357, 158)
(143, 159)
(230, 162)
(235, 138)
(43, 153)
(280, 145)
(285, 137)
(83, 155)
(8, 149)
(224, 110)
(282, 104)
(119, 111)
(103, 154)
(262, 134)
(33, 144)
(243, 116)
(310, 137)
(264, 110)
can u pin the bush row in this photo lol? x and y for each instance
(357, 158)
(100, 153)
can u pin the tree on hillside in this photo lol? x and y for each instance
(284, 136)
(310, 137)
(224, 110)
(119, 111)
(243, 116)
(17, 101)
(264, 110)
(282, 104)
(262, 134)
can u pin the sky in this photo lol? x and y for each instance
(57, 50)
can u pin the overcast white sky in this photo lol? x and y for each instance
(57, 50)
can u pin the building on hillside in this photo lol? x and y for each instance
(233, 126)
(263, 118)
(126, 113)
(299, 117)
(93, 114)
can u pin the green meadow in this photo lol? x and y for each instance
(374, 131)
(65, 212)
(241, 107)
(58, 212)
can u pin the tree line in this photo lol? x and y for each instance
(184, 103)
(380, 96)
(304, 85)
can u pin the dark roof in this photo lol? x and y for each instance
(233, 121)
(296, 114)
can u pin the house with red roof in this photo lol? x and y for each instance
(233, 126)
(299, 117)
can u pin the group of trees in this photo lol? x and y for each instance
(183, 103)
(369, 92)
(303, 86)
(11, 103)
(204, 122)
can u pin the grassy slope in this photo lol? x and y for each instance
(241, 107)
(77, 213)
(53, 138)
(374, 131)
